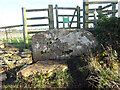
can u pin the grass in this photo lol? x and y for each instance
(58, 80)
(18, 42)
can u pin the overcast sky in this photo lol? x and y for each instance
(11, 13)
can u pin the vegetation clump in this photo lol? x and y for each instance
(104, 63)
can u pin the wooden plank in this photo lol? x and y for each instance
(101, 2)
(37, 25)
(37, 18)
(113, 8)
(70, 8)
(34, 10)
(107, 6)
(81, 9)
(90, 21)
(25, 33)
(11, 26)
(51, 18)
(86, 14)
(95, 19)
(89, 11)
(69, 28)
(78, 17)
(57, 24)
(72, 22)
(35, 31)
(91, 16)
(109, 11)
(66, 15)
(100, 12)
(119, 11)
(72, 18)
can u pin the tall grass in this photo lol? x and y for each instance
(105, 70)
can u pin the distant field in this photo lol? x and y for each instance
(10, 34)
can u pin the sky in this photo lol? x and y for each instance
(11, 12)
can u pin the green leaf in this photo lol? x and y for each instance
(101, 62)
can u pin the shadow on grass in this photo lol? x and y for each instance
(78, 73)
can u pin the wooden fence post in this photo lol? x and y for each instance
(85, 14)
(57, 25)
(113, 8)
(78, 17)
(99, 12)
(51, 19)
(95, 18)
(119, 8)
(25, 33)
(6, 32)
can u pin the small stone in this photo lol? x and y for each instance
(6, 55)
(27, 51)
(12, 52)
(26, 55)
(3, 75)
(24, 61)
(10, 49)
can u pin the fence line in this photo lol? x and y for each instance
(77, 13)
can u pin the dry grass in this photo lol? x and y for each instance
(105, 71)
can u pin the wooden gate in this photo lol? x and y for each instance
(67, 19)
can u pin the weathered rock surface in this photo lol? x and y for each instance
(11, 57)
(42, 67)
(61, 44)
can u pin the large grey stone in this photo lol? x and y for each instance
(61, 44)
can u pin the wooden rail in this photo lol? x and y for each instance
(10, 26)
(35, 10)
(49, 17)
